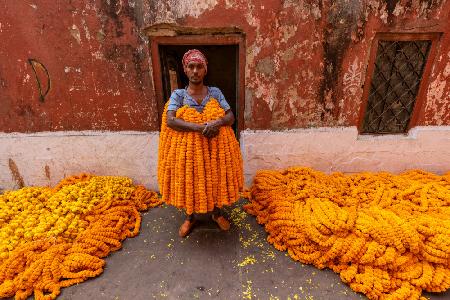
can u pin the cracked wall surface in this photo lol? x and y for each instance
(85, 65)
(74, 65)
(306, 61)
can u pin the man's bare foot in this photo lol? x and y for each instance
(221, 221)
(186, 228)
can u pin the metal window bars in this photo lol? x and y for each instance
(395, 82)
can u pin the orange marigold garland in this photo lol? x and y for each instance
(212, 167)
(188, 201)
(208, 174)
(388, 236)
(54, 238)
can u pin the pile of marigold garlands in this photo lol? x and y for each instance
(196, 173)
(388, 236)
(56, 237)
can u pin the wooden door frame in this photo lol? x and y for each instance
(204, 40)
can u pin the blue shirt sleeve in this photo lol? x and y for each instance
(176, 100)
(216, 93)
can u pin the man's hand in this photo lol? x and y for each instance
(181, 125)
(212, 128)
(209, 130)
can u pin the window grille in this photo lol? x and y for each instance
(394, 86)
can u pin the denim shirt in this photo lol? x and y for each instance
(181, 97)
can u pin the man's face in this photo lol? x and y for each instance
(195, 72)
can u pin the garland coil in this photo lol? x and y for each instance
(388, 236)
(54, 238)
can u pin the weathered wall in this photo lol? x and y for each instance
(44, 158)
(96, 61)
(305, 63)
(341, 149)
(306, 59)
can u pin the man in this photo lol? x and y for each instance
(197, 95)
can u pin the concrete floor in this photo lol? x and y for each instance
(209, 264)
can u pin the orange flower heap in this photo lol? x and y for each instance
(54, 238)
(388, 236)
(197, 173)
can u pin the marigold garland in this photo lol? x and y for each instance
(388, 236)
(54, 238)
(197, 173)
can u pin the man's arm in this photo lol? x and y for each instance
(212, 128)
(228, 119)
(181, 125)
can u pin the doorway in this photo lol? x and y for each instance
(225, 56)
(222, 69)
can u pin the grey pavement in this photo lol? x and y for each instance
(208, 264)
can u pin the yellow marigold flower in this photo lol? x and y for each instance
(53, 238)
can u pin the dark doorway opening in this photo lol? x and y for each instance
(222, 70)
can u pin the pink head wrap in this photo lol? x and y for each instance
(194, 55)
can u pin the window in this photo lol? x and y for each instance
(397, 73)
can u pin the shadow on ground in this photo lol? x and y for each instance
(208, 264)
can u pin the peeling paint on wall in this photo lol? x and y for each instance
(437, 109)
(177, 9)
(305, 59)
(352, 78)
(341, 22)
(75, 33)
(98, 61)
